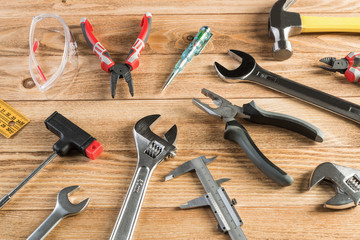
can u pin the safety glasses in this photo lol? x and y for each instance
(53, 53)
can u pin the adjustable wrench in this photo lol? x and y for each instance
(151, 150)
(64, 208)
(345, 180)
(249, 70)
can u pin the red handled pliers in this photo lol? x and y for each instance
(118, 70)
(348, 66)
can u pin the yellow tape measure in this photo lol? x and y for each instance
(11, 121)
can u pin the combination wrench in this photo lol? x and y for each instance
(151, 150)
(250, 71)
(64, 208)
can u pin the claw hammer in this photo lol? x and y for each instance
(283, 24)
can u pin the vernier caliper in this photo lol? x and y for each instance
(215, 197)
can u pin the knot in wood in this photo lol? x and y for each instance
(28, 83)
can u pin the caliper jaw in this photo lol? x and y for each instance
(215, 197)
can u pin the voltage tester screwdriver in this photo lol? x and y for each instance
(195, 48)
(72, 137)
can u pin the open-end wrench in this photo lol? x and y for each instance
(64, 208)
(151, 150)
(249, 70)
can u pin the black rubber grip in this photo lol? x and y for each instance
(237, 133)
(258, 115)
(71, 136)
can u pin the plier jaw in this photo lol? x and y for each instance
(340, 65)
(225, 109)
(120, 70)
(349, 66)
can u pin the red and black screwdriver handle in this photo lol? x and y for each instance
(72, 137)
(106, 61)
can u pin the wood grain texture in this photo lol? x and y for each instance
(268, 211)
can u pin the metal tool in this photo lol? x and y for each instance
(250, 71)
(348, 66)
(11, 120)
(151, 150)
(71, 138)
(215, 197)
(64, 208)
(345, 180)
(118, 70)
(283, 24)
(236, 132)
(195, 47)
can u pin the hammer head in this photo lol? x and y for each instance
(283, 24)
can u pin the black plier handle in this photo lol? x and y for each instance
(236, 132)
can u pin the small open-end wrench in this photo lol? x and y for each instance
(151, 150)
(249, 70)
(64, 208)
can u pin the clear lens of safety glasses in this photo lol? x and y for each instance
(53, 53)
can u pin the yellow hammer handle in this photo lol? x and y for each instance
(330, 24)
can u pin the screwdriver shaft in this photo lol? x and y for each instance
(7, 197)
(172, 76)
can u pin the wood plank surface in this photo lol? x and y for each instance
(267, 210)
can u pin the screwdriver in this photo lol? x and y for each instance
(194, 48)
(72, 137)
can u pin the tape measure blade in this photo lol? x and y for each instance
(11, 120)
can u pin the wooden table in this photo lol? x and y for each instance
(268, 211)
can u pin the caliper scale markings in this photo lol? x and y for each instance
(215, 197)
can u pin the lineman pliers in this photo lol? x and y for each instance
(235, 131)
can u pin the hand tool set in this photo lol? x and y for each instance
(348, 66)
(215, 197)
(153, 149)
